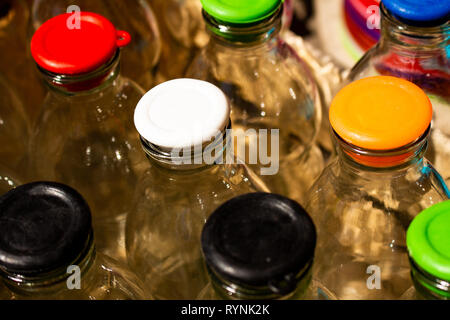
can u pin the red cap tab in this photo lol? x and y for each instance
(76, 43)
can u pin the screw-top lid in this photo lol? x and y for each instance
(43, 226)
(72, 44)
(381, 113)
(259, 239)
(428, 240)
(182, 113)
(240, 11)
(419, 12)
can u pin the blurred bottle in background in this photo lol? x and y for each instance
(85, 135)
(346, 28)
(414, 45)
(16, 65)
(136, 16)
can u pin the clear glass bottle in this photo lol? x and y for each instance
(365, 199)
(260, 246)
(85, 135)
(268, 85)
(180, 189)
(14, 128)
(8, 180)
(428, 239)
(414, 45)
(48, 249)
(136, 16)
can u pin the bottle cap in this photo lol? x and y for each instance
(419, 12)
(182, 113)
(76, 43)
(240, 11)
(381, 113)
(259, 239)
(428, 240)
(43, 226)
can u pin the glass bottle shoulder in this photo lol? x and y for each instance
(106, 279)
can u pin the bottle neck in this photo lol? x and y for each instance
(429, 286)
(191, 159)
(49, 282)
(290, 287)
(84, 84)
(244, 35)
(412, 40)
(382, 160)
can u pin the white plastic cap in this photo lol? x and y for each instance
(182, 113)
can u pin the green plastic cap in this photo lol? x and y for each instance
(428, 240)
(240, 11)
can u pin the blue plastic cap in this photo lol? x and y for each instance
(419, 12)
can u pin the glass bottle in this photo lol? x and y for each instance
(268, 85)
(136, 16)
(48, 249)
(428, 239)
(184, 128)
(14, 128)
(85, 135)
(8, 180)
(183, 33)
(365, 199)
(414, 45)
(260, 246)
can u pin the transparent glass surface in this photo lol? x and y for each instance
(163, 230)
(87, 140)
(269, 87)
(16, 63)
(182, 33)
(419, 55)
(8, 180)
(14, 128)
(102, 279)
(362, 214)
(134, 16)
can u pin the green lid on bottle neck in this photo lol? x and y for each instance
(241, 11)
(428, 240)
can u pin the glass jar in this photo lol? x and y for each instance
(414, 45)
(136, 16)
(184, 128)
(85, 135)
(48, 250)
(428, 239)
(260, 246)
(268, 85)
(365, 199)
(14, 129)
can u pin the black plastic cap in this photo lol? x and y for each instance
(43, 226)
(258, 238)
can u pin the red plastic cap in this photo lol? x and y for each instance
(76, 43)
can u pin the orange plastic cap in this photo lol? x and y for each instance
(381, 113)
